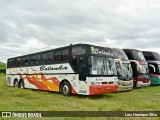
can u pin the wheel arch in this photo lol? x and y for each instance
(14, 81)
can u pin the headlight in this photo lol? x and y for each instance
(119, 82)
(116, 82)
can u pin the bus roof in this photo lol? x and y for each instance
(130, 49)
(58, 47)
(149, 52)
(120, 54)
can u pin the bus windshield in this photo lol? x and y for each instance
(120, 54)
(138, 55)
(102, 66)
(156, 56)
(158, 71)
(143, 71)
(126, 72)
(151, 55)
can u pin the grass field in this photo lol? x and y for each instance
(143, 99)
(2, 65)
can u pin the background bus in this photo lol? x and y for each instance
(154, 56)
(153, 59)
(154, 70)
(139, 67)
(125, 75)
(77, 69)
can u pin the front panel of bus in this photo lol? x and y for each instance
(139, 68)
(125, 77)
(96, 69)
(153, 56)
(142, 69)
(154, 70)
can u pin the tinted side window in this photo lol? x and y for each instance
(25, 61)
(10, 63)
(148, 56)
(49, 57)
(78, 50)
(32, 60)
(65, 54)
(62, 55)
(156, 56)
(44, 58)
(35, 59)
(18, 62)
(58, 56)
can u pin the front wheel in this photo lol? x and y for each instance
(21, 84)
(66, 89)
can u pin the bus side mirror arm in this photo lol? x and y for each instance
(154, 69)
(120, 62)
(137, 63)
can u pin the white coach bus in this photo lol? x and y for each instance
(75, 69)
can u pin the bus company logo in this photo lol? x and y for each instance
(102, 52)
(61, 67)
(82, 86)
(99, 79)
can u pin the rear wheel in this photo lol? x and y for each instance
(66, 89)
(16, 83)
(21, 84)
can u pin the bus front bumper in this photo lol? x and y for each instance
(142, 84)
(125, 85)
(124, 88)
(99, 89)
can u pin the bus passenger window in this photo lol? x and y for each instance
(58, 56)
(49, 57)
(11, 63)
(25, 61)
(32, 60)
(43, 59)
(37, 59)
(18, 62)
(65, 54)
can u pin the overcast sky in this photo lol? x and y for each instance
(29, 25)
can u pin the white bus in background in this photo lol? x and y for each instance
(75, 69)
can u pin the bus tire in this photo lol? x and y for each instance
(66, 89)
(21, 84)
(15, 83)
